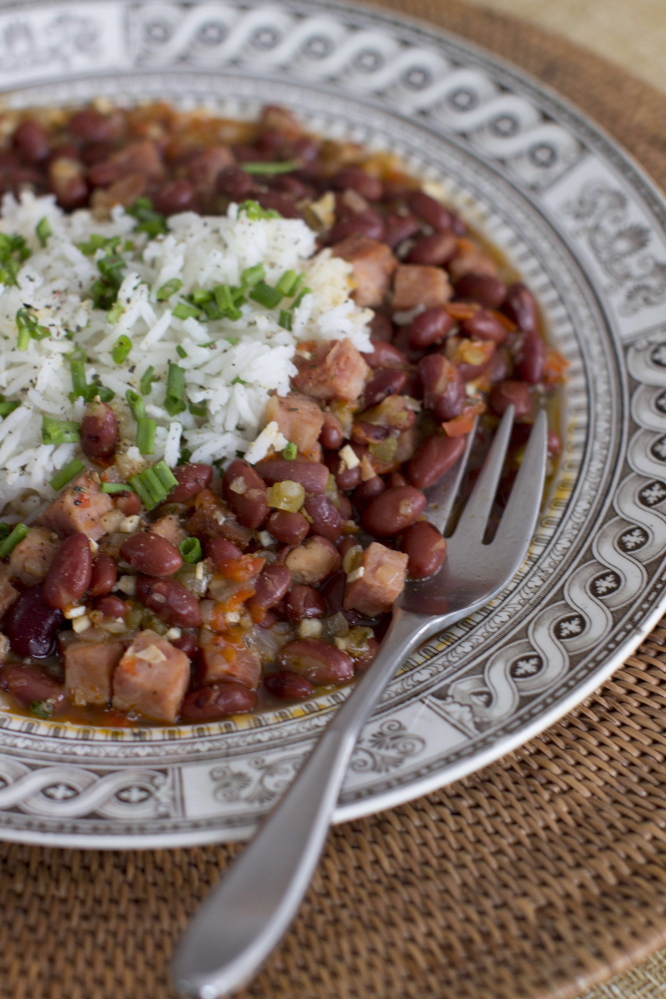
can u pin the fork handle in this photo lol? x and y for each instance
(245, 915)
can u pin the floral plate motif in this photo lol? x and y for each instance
(585, 228)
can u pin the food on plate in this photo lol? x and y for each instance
(235, 356)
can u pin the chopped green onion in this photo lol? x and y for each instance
(43, 230)
(67, 473)
(287, 166)
(185, 455)
(153, 485)
(9, 544)
(191, 550)
(285, 319)
(7, 407)
(185, 311)
(224, 300)
(136, 404)
(101, 392)
(104, 291)
(233, 340)
(175, 393)
(28, 328)
(181, 351)
(13, 252)
(197, 408)
(265, 295)
(288, 283)
(290, 451)
(113, 316)
(121, 349)
(252, 275)
(255, 212)
(238, 381)
(147, 379)
(145, 435)
(142, 491)
(42, 709)
(5, 530)
(165, 475)
(304, 291)
(149, 220)
(168, 289)
(199, 296)
(59, 431)
(114, 487)
(97, 242)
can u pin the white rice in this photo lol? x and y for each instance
(233, 378)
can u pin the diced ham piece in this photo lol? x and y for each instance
(141, 157)
(420, 285)
(212, 518)
(229, 656)
(89, 668)
(30, 560)
(470, 259)
(8, 593)
(373, 264)
(335, 370)
(374, 590)
(168, 527)
(298, 418)
(314, 561)
(79, 509)
(151, 678)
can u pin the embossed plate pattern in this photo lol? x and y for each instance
(588, 232)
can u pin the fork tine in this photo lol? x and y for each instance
(519, 518)
(442, 496)
(474, 517)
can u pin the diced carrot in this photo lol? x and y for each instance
(554, 368)
(464, 423)
(462, 310)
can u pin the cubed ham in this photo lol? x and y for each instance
(314, 561)
(204, 166)
(299, 419)
(168, 527)
(89, 669)
(151, 678)
(335, 370)
(212, 518)
(373, 263)
(417, 285)
(372, 588)
(79, 509)
(470, 259)
(230, 655)
(8, 593)
(141, 157)
(30, 560)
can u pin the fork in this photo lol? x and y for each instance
(245, 915)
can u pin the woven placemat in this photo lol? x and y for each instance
(538, 877)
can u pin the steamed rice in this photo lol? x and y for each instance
(248, 359)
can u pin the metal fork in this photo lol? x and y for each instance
(246, 914)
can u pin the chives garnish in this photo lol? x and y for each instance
(5, 530)
(121, 349)
(285, 319)
(165, 475)
(80, 387)
(115, 487)
(233, 340)
(147, 379)
(59, 431)
(168, 289)
(287, 166)
(181, 351)
(252, 275)
(191, 550)
(145, 435)
(290, 451)
(288, 283)
(114, 314)
(265, 295)
(199, 296)
(136, 404)
(224, 300)
(28, 328)
(185, 455)
(153, 485)
(149, 220)
(13, 252)
(304, 291)
(9, 544)
(142, 491)
(175, 393)
(197, 408)
(43, 230)
(67, 473)
(254, 211)
(185, 311)
(7, 407)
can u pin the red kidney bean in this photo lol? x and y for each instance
(426, 549)
(366, 223)
(396, 479)
(482, 288)
(175, 196)
(170, 601)
(361, 663)
(128, 503)
(521, 307)
(95, 152)
(398, 228)
(281, 203)
(317, 661)
(219, 700)
(451, 402)
(288, 528)
(303, 602)
(192, 478)
(434, 250)
(333, 592)
(429, 327)
(327, 521)
(499, 366)
(269, 588)
(484, 325)
(91, 126)
(245, 492)
(235, 183)
(103, 575)
(431, 211)
(367, 491)
(345, 544)
(387, 381)
(292, 186)
(112, 607)
(187, 643)
(356, 179)
(432, 458)
(288, 686)
(31, 624)
(69, 574)
(151, 554)
(393, 511)
(99, 433)
(312, 475)
(30, 683)
(384, 355)
(510, 393)
(348, 479)
(344, 506)
(331, 436)
(436, 373)
(31, 142)
(221, 551)
(381, 328)
(532, 359)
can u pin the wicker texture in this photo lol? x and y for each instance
(538, 877)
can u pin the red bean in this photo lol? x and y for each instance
(303, 602)
(170, 601)
(99, 433)
(396, 479)
(32, 142)
(103, 575)
(426, 549)
(175, 196)
(288, 528)
(282, 203)
(30, 683)
(436, 374)
(69, 574)
(269, 588)
(219, 700)
(317, 661)
(366, 223)
(500, 366)
(245, 492)
(220, 551)
(344, 506)
(384, 355)
(362, 663)
(331, 436)
(389, 381)
(192, 478)
(434, 250)
(482, 288)
(532, 359)
(312, 475)
(348, 478)
(333, 592)
(128, 503)
(68, 183)
(327, 521)
(288, 686)
(235, 183)
(151, 554)
(431, 211)
(484, 325)
(31, 624)
(356, 179)
(393, 511)
(381, 328)
(432, 458)
(91, 126)
(187, 643)
(367, 491)
(398, 228)
(451, 402)
(429, 327)
(112, 607)
(521, 307)
(510, 393)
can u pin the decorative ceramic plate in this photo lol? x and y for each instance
(587, 231)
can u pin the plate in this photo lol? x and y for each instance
(586, 229)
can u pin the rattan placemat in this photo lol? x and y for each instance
(538, 877)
